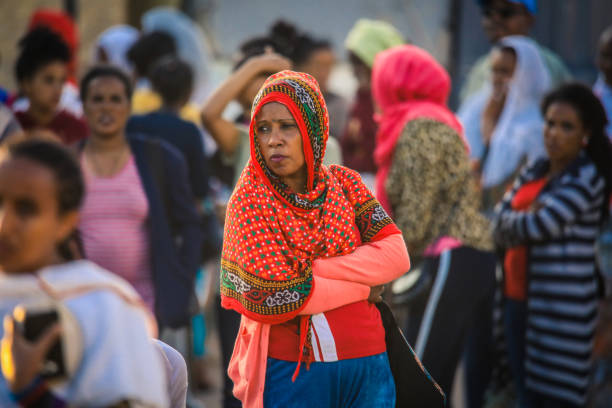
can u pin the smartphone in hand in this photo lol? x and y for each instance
(33, 324)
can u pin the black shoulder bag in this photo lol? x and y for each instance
(414, 387)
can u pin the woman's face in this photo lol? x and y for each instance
(44, 88)
(564, 133)
(319, 65)
(362, 72)
(31, 225)
(604, 56)
(106, 107)
(503, 64)
(280, 143)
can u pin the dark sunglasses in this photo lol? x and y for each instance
(503, 12)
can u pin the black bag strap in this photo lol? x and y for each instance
(414, 386)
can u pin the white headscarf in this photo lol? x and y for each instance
(518, 134)
(189, 40)
(116, 42)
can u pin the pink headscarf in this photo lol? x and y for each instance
(407, 84)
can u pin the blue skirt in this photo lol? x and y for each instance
(354, 383)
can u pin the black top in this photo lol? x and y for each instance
(184, 136)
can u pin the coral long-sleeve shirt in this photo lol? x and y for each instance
(338, 282)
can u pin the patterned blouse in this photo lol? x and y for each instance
(432, 191)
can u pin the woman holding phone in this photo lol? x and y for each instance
(98, 313)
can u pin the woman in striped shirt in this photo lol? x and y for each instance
(548, 224)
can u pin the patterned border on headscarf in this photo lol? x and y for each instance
(262, 296)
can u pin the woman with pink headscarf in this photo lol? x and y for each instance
(424, 181)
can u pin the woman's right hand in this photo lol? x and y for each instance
(376, 294)
(268, 62)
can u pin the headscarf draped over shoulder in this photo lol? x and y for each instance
(273, 234)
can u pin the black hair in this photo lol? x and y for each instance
(172, 78)
(149, 49)
(105, 71)
(506, 48)
(299, 46)
(280, 39)
(593, 117)
(68, 178)
(254, 47)
(37, 49)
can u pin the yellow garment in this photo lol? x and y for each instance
(369, 37)
(145, 100)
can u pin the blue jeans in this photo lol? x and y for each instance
(354, 383)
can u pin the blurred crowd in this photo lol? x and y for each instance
(115, 179)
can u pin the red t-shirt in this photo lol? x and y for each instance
(350, 331)
(515, 261)
(68, 127)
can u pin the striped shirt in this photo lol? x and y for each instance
(114, 227)
(562, 289)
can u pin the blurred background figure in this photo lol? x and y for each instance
(190, 45)
(366, 39)
(143, 54)
(315, 57)
(257, 59)
(172, 80)
(548, 224)
(502, 120)
(138, 218)
(113, 45)
(603, 86)
(423, 164)
(41, 71)
(9, 126)
(63, 25)
(502, 18)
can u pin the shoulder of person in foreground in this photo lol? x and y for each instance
(119, 360)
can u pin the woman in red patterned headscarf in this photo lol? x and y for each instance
(304, 244)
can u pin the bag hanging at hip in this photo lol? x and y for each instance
(414, 386)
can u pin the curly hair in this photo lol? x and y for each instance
(37, 49)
